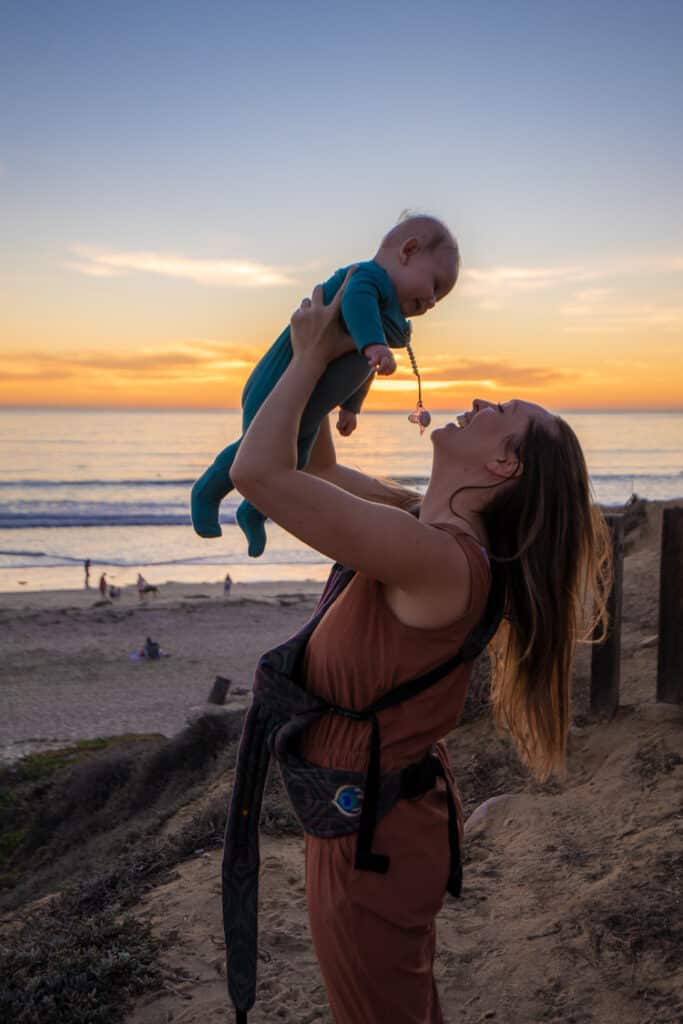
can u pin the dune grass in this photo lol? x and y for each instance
(79, 843)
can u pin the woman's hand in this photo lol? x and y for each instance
(316, 328)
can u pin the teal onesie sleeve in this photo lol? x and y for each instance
(370, 308)
(371, 314)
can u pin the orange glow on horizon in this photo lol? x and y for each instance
(104, 391)
(525, 353)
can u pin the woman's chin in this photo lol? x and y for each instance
(441, 432)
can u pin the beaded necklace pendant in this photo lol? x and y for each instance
(419, 415)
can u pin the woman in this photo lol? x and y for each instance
(508, 483)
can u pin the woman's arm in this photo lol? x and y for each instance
(323, 464)
(385, 543)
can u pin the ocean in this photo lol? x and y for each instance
(114, 487)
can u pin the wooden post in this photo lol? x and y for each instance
(606, 656)
(670, 649)
(219, 690)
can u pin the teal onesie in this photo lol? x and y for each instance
(371, 314)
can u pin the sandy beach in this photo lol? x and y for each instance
(572, 903)
(67, 671)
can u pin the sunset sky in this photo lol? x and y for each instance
(174, 177)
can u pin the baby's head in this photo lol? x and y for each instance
(422, 259)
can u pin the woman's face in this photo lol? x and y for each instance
(484, 432)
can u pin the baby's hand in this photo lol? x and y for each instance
(346, 424)
(380, 358)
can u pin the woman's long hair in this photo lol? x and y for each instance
(552, 546)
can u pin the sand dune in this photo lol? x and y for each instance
(572, 903)
(571, 909)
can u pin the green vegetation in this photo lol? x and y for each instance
(82, 827)
(43, 764)
(62, 966)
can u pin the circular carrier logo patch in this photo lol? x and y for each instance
(349, 800)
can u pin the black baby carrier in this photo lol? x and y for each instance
(327, 801)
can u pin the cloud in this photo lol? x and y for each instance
(593, 294)
(94, 269)
(586, 302)
(39, 372)
(606, 311)
(208, 361)
(491, 285)
(490, 373)
(615, 315)
(484, 281)
(434, 385)
(183, 362)
(240, 273)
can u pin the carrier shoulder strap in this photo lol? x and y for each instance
(473, 645)
(476, 641)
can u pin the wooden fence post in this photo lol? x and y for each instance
(219, 690)
(670, 647)
(606, 656)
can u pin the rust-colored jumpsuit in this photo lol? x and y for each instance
(374, 934)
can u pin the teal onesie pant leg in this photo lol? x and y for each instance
(209, 491)
(341, 379)
(215, 483)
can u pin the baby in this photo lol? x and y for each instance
(415, 266)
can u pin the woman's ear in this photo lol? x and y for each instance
(409, 248)
(506, 468)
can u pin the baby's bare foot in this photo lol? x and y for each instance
(346, 422)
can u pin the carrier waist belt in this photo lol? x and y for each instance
(329, 803)
(332, 802)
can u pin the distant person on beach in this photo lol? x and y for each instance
(415, 267)
(151, 649)
(103, 584)
(509, 494)
(144, 587)
(86, 567)
(227, 584)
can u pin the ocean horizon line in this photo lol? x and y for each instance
(367, 412)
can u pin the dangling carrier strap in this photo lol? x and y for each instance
(329, 802)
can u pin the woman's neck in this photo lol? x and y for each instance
(460, 509)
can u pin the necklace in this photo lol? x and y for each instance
(420, 415)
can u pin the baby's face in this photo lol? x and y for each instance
(424, 277)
